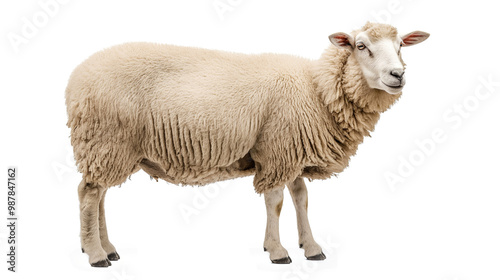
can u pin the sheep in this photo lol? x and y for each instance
(194, 116)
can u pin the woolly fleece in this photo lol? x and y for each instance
(194, 116)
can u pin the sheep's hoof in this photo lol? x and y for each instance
(318, 257)
(101, 263)
(83, 251)
(285, 260)
(113, 256)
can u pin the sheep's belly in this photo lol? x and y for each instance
(195, 175)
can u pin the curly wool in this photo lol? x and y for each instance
(194, 116)
(354, 106)
(377, 31)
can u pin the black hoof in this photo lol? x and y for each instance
(285, 260)
(113, 256)
(265, 250)
(83, 251)
(101, 263)
(318, 257)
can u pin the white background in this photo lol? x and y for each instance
(441, 222)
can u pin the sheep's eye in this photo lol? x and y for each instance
(361, 46)
(401, 44)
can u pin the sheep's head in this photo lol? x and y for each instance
(377, 49)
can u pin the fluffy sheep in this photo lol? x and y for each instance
(194, 116)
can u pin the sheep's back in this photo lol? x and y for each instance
(185, 108)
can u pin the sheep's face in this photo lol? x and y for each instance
(378, 53)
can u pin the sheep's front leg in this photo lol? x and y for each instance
(298, 191)
(90, 196)
(274, 201)
(103, 232)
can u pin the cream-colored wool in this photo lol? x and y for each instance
(194, 116)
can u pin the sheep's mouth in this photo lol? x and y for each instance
(394, 87)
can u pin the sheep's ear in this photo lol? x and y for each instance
(342, 40)
(414, 38)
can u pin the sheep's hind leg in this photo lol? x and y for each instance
(90, 196)
(103, 232)
(274, 201)
(298, 191)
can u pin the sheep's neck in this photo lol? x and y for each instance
(354, 107)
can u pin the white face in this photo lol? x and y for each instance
(380, 60)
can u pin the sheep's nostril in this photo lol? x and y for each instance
(398, 74)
